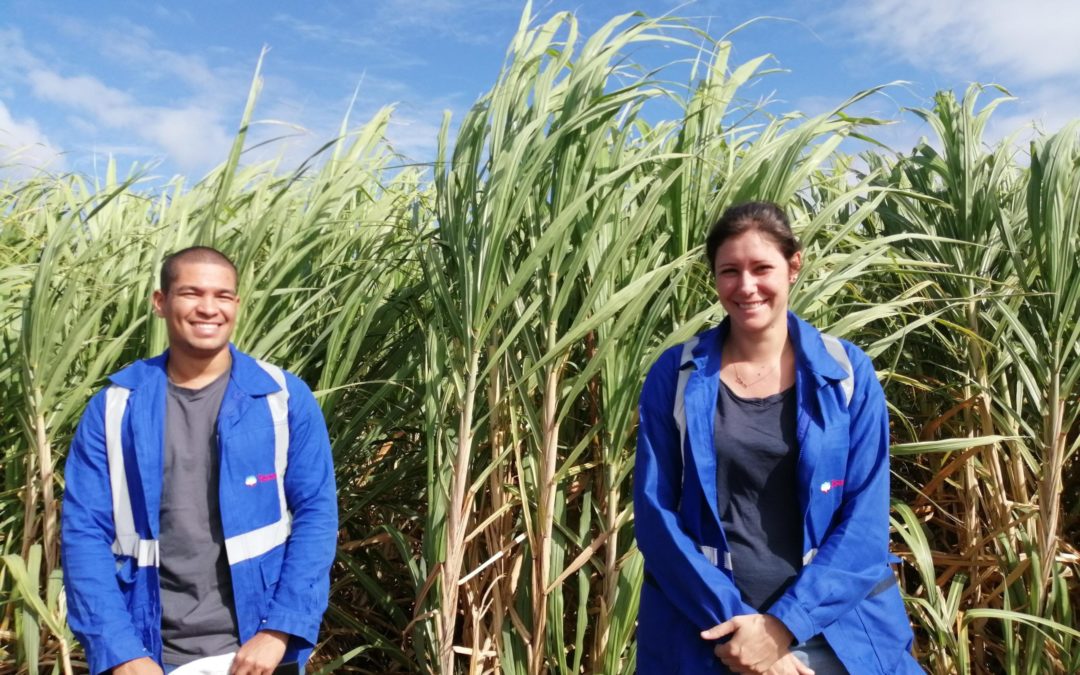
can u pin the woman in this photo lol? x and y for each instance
(762, 485)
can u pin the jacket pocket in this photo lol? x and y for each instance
(270, 574)
(886, 625)
(270, 568)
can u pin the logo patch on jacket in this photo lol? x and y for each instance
(830, 484)
(252, 481)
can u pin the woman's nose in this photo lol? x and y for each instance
(746, 281)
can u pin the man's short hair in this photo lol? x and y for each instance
(198, 254)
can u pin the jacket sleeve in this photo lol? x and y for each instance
(97, 611)
(304, 584)
(853, 556)
(700, 590)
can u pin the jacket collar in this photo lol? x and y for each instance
(245, 373)
(809, 349)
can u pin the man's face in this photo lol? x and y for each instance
(199, 308)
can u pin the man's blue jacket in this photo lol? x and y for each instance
(846, 589)
(278, 510)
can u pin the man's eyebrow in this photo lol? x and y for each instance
(213, 289)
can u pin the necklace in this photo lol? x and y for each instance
(746, 385)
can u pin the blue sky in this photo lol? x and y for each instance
(147, 82)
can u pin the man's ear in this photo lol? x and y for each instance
(157, 300)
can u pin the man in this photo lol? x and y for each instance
(200, 512)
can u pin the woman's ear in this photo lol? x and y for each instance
(795, 264)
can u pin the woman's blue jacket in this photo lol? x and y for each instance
(846, 589)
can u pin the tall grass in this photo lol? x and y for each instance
(999, 362)
(477, 333)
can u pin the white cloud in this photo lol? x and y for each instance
(14, 52)
(166, 64)
(465, 21)
(1030, 47)
(327, 34)
(412, 130)
(190, 120)
(129, 94)
(135, 48)
(83, 92)
(174, 14)
(1031, 40)
(416, 135)
(1046, 108)
(24, 149)
(193, 136)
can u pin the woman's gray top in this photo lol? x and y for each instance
(757, 492)
(757, 455)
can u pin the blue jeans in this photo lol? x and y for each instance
(817, 654)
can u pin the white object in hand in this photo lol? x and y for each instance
(211, 665)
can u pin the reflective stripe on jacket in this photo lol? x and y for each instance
(277, 499)
(845, 589)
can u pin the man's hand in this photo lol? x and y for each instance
(757, 642)
(789, 665)
(141, 666)
(261, 654)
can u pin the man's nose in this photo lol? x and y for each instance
(206, 305)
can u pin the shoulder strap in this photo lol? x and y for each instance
(711, 553)
(248, 545)
(680, 405)
(127, 542)
(837, 351)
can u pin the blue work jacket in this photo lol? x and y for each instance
(846, 588)
(273, 448)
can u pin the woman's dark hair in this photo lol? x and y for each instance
(764, 217)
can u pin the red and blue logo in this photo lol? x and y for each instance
(255, 479)
(830, 484)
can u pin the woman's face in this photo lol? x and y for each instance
(752, 280)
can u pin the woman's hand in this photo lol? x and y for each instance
(757, 642)
(789, 665)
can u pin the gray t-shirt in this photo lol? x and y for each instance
(757, 491)
(196, 590)
(757, 457)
